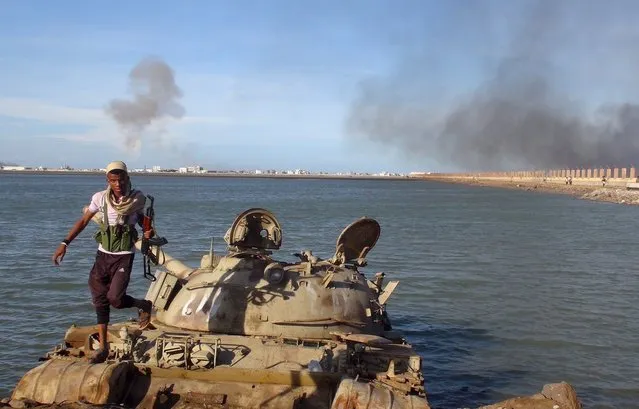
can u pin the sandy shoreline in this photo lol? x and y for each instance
(612, 194)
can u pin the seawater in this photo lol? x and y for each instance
(500, 291)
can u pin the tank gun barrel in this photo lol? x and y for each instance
(175, 266)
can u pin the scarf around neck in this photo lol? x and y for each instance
(132, 202)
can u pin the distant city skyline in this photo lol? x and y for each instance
(195, 169)
(328, 86)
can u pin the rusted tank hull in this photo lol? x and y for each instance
(355, 395)
(57, 381)
(62, 381)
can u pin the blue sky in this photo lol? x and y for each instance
(271, 84)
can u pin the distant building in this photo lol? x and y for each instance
(195, 169)
(192, 169)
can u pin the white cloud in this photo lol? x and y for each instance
(93, 128)
(32, 109)
(37, 110)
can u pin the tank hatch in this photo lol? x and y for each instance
(255, 228)
(356, 240)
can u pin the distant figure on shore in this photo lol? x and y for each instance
(603, 180)
(570, 180)
(566, 179)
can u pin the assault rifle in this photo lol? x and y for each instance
(147, 244)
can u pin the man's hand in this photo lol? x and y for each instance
(149, 233)
(77, 228)
(59, 254)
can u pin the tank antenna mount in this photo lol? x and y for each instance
(211, 253)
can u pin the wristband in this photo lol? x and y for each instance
(65, 242)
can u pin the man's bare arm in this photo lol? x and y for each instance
(77, 228)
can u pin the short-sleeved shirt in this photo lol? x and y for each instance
(97, 205)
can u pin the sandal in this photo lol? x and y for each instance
(99, 356)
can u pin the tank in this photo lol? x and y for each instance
(247, 330)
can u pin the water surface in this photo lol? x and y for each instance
(501, 291)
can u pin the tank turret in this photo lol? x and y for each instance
(246, 329)
(249, 292)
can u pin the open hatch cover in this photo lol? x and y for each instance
(356, 240)
(255, 228)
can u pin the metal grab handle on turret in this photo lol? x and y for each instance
(166, 291)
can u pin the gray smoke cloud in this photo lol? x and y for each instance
(155, 97)
(519, 116)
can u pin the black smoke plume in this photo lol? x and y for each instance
(520, 116)
(155, 97)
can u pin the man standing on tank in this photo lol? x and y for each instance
(121, 209)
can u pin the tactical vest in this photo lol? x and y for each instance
(116, 238)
